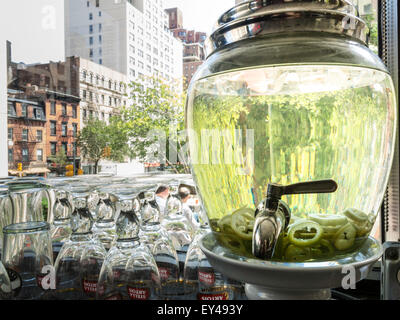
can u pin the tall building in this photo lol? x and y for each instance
(175, 18)
(129, 36)
(193, 44)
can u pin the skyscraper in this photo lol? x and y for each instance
(193, 44)
(129, 36)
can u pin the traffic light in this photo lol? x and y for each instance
(107, 152)
(19, 166)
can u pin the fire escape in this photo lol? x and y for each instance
(26, 137)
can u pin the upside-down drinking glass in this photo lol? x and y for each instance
(129, 271)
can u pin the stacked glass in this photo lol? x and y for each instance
(90, 215)
(129, 271)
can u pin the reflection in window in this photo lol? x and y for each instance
(39, 135)
(25, 155)
(10, 155)
(24, 134)
(39, 154)
(53, 148)
(64, 129)
(53, 128)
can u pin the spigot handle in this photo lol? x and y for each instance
(321, 186)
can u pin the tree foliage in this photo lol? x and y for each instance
(153, 121)
(99, 140)
(60, 160)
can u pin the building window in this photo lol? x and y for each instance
(100, 27)
(64, 109)
(91, 29)
(39, 135)
(25, 155)
(53, 128)
(100, 39)
(24, 134)
(39, 115)
(24, 110)
(90, 16)
(84, 114)
(65, 147)
(64, 129)
(88, 4)
(11, 110)
(100, 61)
(91, 53)
(10, 134)
(90, 41)
(75, 129)
(97, 3)
(99, 13)
(10, 155)
(53, 148)
(39, 155)
(74, 112)
(53, 108)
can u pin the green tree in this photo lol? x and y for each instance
(99, 140)
(60, 160)
(153, 121)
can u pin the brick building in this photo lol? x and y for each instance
(43, 114)
(26, 135)
(193, 44)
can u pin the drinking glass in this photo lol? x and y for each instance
(79, 261)
(160, 244)
(5, 211)
(27, 257)
(129, 271)
(62, 209)
(104, 226)
(5, 284)
(26, 197)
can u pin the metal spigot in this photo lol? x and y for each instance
(273, 215)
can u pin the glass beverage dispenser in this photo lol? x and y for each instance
(291, 93)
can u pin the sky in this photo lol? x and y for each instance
(36, 27)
